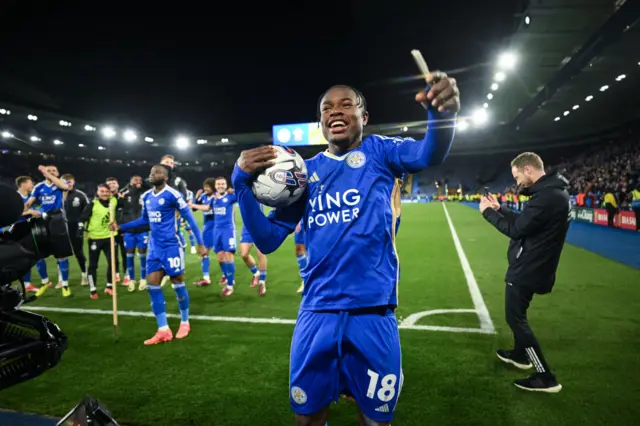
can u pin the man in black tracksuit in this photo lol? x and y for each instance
(131, 201)
(537, 238)
(75, 202)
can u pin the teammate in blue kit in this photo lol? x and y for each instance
(49, 195)
(204, 202)
(346, 336)
(224, 233)
(259, 271)
(187, 227)
(25, 187)
(301, 251)
(166, 255)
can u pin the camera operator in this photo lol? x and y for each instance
(49, 194)
(537, 238)
(74, 204)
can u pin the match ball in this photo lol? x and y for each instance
(283, 183)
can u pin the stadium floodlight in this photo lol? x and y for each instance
(500, 76)
(621, 77)
(480, 116)
(462, 125)
(35, 139)
(405, 128)
(603, 88)
(7, 134)
(527, 20)
(32, 117)
(148, 139)
(224, 140)
(5, 111)
(57, 142)
(507, 61)
(202, 141)
(130, 135)
(575, 107)
(182, 142)
(65, 123)
(89, 128)
(588, 98)
(490, 96)
(566, 113)
(485, 105)
(100, 148)
(556, 119)
(81, 145)
(108, 132)
(495, 86)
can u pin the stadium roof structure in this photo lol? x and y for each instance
(577, 73)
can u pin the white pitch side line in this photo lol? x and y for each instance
(235, 319)
(481, 308)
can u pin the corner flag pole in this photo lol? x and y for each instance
(112, 251)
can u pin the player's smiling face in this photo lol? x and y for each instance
(342, 116)
(221, 186)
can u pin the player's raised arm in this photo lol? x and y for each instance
(268, 232)
(442, 100)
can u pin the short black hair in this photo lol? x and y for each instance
(163, 167)
(361, 102)
(103, 185)
(109, 179)
(210, 182)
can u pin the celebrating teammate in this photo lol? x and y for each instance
(346, 335)
(49, 195)
(166, 255)
(224, 233)
(138, 238)
(204, 202)
(258, 271)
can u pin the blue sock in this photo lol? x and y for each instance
(192, 239)
(41, 266)
(27, 277)
(302, 261)
(158, 306)
(205, 266)
(64, 270)
(253, 269)
(263, 275)
(143, 265)
(231, 272)
(181, 237)
(131, 267)
(223, 268)
(183, 300)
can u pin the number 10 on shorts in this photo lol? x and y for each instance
(386, 391)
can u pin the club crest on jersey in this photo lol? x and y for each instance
(298, 395)
(356, 159)
(161, 201)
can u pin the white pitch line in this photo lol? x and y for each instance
(481, 308)
(235, 319)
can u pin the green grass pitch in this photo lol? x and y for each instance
(232, 372)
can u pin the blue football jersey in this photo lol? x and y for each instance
(160, 210)
(48, 196)
(224, 212)
(206, 200)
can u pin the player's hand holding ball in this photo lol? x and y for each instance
(443, 93)
(281, 174)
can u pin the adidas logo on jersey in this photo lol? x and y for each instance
(383, 409)
(314, 177)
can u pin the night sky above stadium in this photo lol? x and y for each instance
(217, 71)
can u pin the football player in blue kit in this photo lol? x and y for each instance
(49, 195)
(301, 251)
(165, 253)
(346, 338)
(224, 233)
(204, 203)
(259, 271)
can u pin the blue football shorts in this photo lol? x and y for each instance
(169, 259)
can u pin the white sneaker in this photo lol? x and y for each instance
(132, 286)
(142, 286)
(193, 250)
